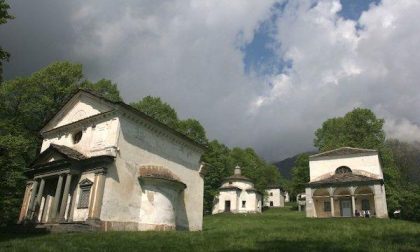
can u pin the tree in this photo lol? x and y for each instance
(193, 129)
(358, 128)
(4, 17)
(157, 109)
(219, 162)
(407, 159)
(105, 88)
(164, 113)
(26, 104)
(300, 174)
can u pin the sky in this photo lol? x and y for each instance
(263, 74)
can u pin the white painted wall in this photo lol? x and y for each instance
(274, 195)
(140, 146)
(80, 106)
(364, 164)
(253, 200)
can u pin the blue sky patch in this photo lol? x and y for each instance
(353, 9)
(259, 54)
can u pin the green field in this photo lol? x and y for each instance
(275, 229)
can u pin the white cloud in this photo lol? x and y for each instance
(336, 67)
(188, 52)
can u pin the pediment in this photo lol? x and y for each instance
(49, 157)
(85, 183)
(57, 152)
(82, 105)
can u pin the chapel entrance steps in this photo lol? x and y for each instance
(65, 227)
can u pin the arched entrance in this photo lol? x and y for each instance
(364, 200)
(322, 202)
(343, 202)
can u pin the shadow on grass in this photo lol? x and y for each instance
(13, 232)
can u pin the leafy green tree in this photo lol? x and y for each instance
(219, 162)
(14, 155)
(407, 159)
(300, 174)
(26, 104)
(358, 128)
(164, 113)
(193, 129)
(4, 17)
(157, 109)
(105, 88)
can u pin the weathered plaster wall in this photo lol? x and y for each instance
(81, 214)
(232, 196)
(97, 139)
(80, 106)
(138, 146)
(363, 164)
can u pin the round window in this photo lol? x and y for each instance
(77, 136)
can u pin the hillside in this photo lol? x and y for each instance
(285, 166)
(275, 229)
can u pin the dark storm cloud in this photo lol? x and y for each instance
(189, 53)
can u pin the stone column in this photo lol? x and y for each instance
(95, 205)
(54, 206)
(64, 199)
(353, 201)
(25, 202)
(38, 198)
(32, 199)
(92, 197)
(331, 192)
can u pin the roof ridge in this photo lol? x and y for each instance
(342, 148)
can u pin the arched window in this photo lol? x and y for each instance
(342, 170)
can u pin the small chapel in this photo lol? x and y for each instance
(237, 195)
(104, 165)
(274, 197)
(344, 183)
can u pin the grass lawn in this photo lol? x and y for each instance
(275, 229)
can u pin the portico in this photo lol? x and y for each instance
(342, 201)
(50, 197)
(343, 181)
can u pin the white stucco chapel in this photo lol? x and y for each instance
(104, 165)
(345, 182)
(237, 195)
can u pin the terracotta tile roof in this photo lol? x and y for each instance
(344, 151)
(67, 151)
(237, 177)
(230, 187)
(153, 171)
(343, 178)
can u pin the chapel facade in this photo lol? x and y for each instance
(237, 195)
(345, 182)
(104, 165)
(274, 197)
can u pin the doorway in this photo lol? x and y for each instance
(345, 207)
(227, 206)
